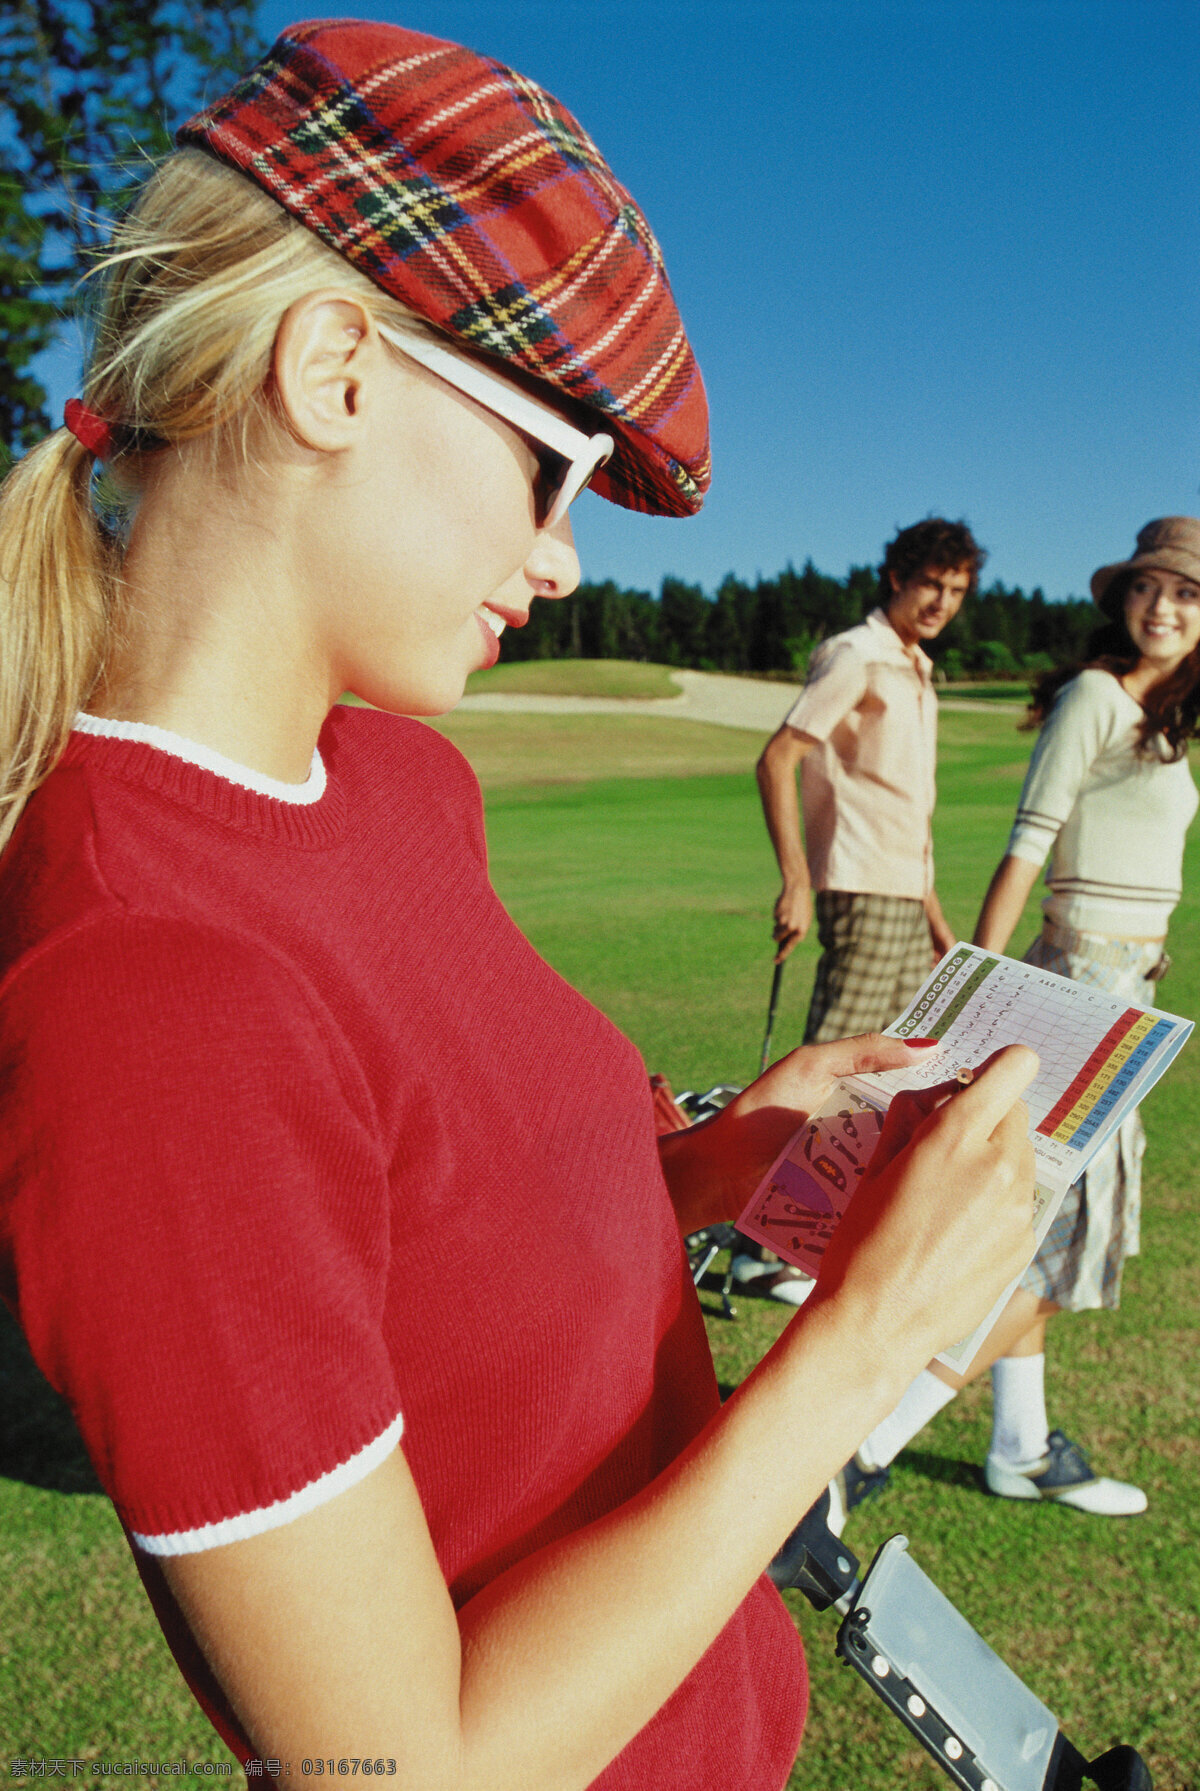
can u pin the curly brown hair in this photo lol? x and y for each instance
(1171, 709)
(934, 542)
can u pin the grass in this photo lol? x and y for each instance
(652, 891)
(533, 752)
(575, 677)
(1015, 690)
(653, 894)
(84, 1671)
(634, 678)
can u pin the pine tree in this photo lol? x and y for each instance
(89, 93)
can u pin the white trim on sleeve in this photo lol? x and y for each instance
(283, 1511)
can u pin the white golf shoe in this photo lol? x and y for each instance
(1064, 1476)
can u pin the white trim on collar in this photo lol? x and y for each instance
(191, 751)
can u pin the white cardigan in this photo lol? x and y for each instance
(1115, 822)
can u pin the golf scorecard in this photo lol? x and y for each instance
(1099, 1056)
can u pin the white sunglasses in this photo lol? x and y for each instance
(576, 455)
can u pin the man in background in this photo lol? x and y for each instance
(863, 735)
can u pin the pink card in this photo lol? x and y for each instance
(800, 1200)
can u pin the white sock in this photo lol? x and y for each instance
(923, 1401)
(1019, 1424)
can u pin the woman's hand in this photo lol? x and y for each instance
(713, 1169)
(943, 1219)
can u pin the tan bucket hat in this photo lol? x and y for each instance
(1172, 544)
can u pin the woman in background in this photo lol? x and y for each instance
(1109, 795)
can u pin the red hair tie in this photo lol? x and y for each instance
(88, 429)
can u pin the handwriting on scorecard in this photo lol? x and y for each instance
(796, 1209)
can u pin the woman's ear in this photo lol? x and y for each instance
(324, 349)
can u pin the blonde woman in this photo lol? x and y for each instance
(274, 1055)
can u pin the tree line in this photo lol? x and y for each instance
(772, 625)
(90, 91)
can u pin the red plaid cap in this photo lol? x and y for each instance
(473, 197)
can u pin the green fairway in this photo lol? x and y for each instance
(653, 894)
(1012, 690)
(532, 751)
(633, 853)
(575, 677)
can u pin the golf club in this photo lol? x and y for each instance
(771, 1006)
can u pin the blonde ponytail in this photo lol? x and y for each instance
(191, 294)
(58, 588)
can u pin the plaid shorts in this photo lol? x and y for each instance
(875, 954)
(1098, 1224)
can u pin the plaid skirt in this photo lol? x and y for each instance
(875, 954)
(1098, 1224)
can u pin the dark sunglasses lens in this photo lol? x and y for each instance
(551, 476)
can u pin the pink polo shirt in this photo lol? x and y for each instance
(868, 786)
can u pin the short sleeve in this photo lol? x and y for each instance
(1077, 730)
(836, 684)
(196, 1215)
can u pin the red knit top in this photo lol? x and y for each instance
(288, 1110)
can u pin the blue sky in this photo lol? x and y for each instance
(933, 256)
